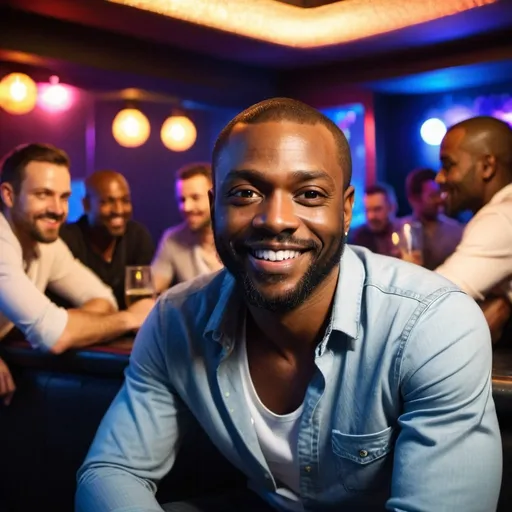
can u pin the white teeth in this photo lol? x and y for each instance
(276, 255)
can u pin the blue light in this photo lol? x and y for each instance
(432, 131)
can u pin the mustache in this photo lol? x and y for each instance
(282, 238)
(51, 216)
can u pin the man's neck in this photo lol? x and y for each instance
(28, 244)
(299, 331)
(493, 188)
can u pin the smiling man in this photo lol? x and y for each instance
(105, 238)
(476, 175)
(332, 377)
(188, 250)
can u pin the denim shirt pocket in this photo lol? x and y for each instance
(361, 460)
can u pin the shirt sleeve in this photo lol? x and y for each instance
(448, 454)
(41, 321)
(75, 282)
(483, 259)
(162, 264)
(140, 435)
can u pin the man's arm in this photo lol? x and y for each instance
(47, 326)
(162, 267)
(138, 439)
(483, 259)
(448, 453)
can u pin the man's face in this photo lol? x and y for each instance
(457, 177)
(428, 204)
(280, 211)
(42, 204)
(192, 197)
(378, 211)
(109, 206)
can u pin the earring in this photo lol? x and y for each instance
(346, 233)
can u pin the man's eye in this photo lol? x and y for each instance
(244, 193)
(311, 195)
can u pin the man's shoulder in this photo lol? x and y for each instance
(392, 276)
(177, 234)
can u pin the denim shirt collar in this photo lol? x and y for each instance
(346, 311)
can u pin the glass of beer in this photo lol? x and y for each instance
(408, 240)
(138, 284)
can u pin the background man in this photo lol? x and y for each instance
(35, 186)
(332, 377)
(188, 250)
(380, 206)
(106, 239)
(441, 234)
(476, 175)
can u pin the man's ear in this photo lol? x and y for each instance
(7, 194)
(489, 164)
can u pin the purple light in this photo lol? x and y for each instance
(55, 97)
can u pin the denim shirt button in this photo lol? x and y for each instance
(307, 469)
(363, 453)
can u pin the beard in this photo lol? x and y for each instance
(316, 273)
(30, 227)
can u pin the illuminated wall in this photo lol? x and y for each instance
(350, 118)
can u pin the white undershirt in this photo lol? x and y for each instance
(277, 435)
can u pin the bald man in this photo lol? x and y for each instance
(476, 175)
(105, 239)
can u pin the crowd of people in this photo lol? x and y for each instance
(330, 375)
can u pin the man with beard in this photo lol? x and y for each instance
(35, 186)
(476, 175)
(380, 208)
(188, 250)
(334, 378)
(441, 234)
(105, 239)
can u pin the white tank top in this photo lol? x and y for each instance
(277, 435)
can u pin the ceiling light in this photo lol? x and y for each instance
(278, 23)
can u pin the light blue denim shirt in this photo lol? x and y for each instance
(398, 416)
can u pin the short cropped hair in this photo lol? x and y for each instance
(286, 109)
(382, 188)
(195, 169)
(415, 180)
(13, 165)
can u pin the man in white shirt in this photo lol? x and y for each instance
(188, 250)
(35, 186)
(476, 175)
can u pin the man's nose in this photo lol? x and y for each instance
(277, 214)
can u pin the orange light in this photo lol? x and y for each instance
(18, 93)
(178, 133)
(131, 128)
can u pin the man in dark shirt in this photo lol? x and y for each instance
(105, 239)
(380, 207)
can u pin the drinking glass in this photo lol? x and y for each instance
(138, 284)
(408, 239)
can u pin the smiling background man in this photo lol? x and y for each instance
(332, 377)
(188, 250)
(476, 175)
(106, 239)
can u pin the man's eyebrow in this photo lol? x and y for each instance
(259, 176)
